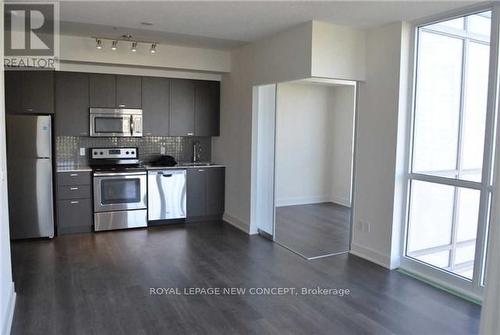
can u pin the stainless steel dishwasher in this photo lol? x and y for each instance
(166, 194)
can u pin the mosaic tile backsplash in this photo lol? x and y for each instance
(181, 148)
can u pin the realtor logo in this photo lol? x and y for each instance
(31, 35)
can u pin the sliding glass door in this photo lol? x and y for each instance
(451, 154)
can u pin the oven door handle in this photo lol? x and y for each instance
(112, 174)
(132, 125)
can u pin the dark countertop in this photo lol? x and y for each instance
(86, 168)
(73, 168)
(181, 166)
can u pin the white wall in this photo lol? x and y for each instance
(314, 138)
(7, 294)
(281, 57)
(285, 56)
(137, 71)
(82, 49)
(337, 52)
(376, 223)
(303, 144)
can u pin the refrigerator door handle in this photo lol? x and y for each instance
(44, 157)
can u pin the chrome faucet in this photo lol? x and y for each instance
(196, 151)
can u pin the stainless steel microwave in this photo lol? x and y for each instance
(115, 122)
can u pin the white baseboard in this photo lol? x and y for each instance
(238, 223)
(371, 255)
(341, 201)
(9, 311)
(292, 201)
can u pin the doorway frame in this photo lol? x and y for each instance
(259, 169)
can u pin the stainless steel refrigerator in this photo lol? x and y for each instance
(29, 173)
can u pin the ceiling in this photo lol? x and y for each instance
(228, 24)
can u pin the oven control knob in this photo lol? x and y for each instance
(102, 153)
(126, 152)
(132, 152)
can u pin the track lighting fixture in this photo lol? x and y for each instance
(125, 39)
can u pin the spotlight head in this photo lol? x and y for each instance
(98, 44)
(114, 46)
(153, 48)
(134, 47)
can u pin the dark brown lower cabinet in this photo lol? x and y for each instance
(74, 216)
(215, 191)
(205, 192)
(74, 202)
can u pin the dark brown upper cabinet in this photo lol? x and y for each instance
(207, 108)
(30, 92)
(128, 92)
(115, 91)
(13, 87)
(182, 107)
(102, 90)
(72, 104)
(194, 108)
(155, 106)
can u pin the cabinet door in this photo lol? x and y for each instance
(155, 106)
(128, 92)
(102, 90)
(73, 178)
(72, 104)
(38, 92)
(181, 107)
(196, 192)
(74, 216)
(13, 84)
(207, 108)
(215, 191)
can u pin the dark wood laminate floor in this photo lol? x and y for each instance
(99, 284)
(314, 230)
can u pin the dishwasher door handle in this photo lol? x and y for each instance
(166, 175)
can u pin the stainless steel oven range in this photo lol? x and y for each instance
(120, 189)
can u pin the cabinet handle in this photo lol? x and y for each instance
(121, 105)
(73, 175)
(74, 202)
(73, 188)
(201, 170)
(29, 109)
(190, 134)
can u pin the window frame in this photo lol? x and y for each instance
(448, 280)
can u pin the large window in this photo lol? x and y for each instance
(452, 148)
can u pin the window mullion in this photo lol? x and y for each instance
(461, 117)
